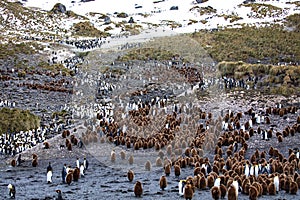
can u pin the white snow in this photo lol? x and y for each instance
(160, 13)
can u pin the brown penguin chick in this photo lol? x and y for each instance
(46, 145)
(158, 162)
(210, 181)
(293, 187)
(197, 171)
(231, 194)
(138, 189)
(34, 162)
(202, 183)
(163, 182)
(76, 174)
(253, 193)
(168, 170)
(177, 170)
(130, 175)
(123, 155)
(264, 188)
(69, 147)
(280, 138)
(113, 156)
(13, 163)
(34, 156)
(69, 178)
(272, 189)
(215, 192)
(223, 190)
(298, 181)
(130, 159)
(148, 166)
(188, 191)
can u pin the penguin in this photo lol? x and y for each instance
(177, 170)
(168, 170)
(85, 163)
(69, 178)
(223, 190)
(59, 195)
(247, 169)
(49, 168)
(130, 175)
(12, 191)
(188, 191)
(163, 182)
(64, 173)
(181, 186)
(276, 183)
(76, 174)
(77, 163)
(202, 183)
(13, 163)
(231, 194)
(148, 166)
(253, 193)
(293, 187)
(130, 159)
(34, 162)
(81, 170)
(113, 156)
(138, 189)
(216, 192)
(49, 176)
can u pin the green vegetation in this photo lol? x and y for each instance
(263, 10)
(204, 10)
(147, 54)
(250, 43)
(232, 18)
(122, 15)
(16, 120)
(86, 29)
(283, 80)
(56, 68)
(12, 50)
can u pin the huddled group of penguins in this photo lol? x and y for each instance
(231, 173)
(86, 44)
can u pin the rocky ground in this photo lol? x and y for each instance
(105, 179)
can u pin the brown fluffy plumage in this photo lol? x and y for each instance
(69, 178)
(215, 192)
(148, 166)
(34, 162)
(163, 182)
(130, 159)
(177, 170)
(223, 190)
(232, 195)
(130, 175)
(188, 191)
(76, 174)
(168, 170)
(13, 163)
(253, 193)
(293, 187)
(138, 189)
(202, 183)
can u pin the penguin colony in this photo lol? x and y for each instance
(238, 170)
(232, 171)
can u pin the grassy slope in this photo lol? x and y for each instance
(16, 120)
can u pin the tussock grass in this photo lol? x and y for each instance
(251, 44)
(86, 29)
(293, 21)
(12, 50)
(284, 80)
(16, 120)
(260, 10)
